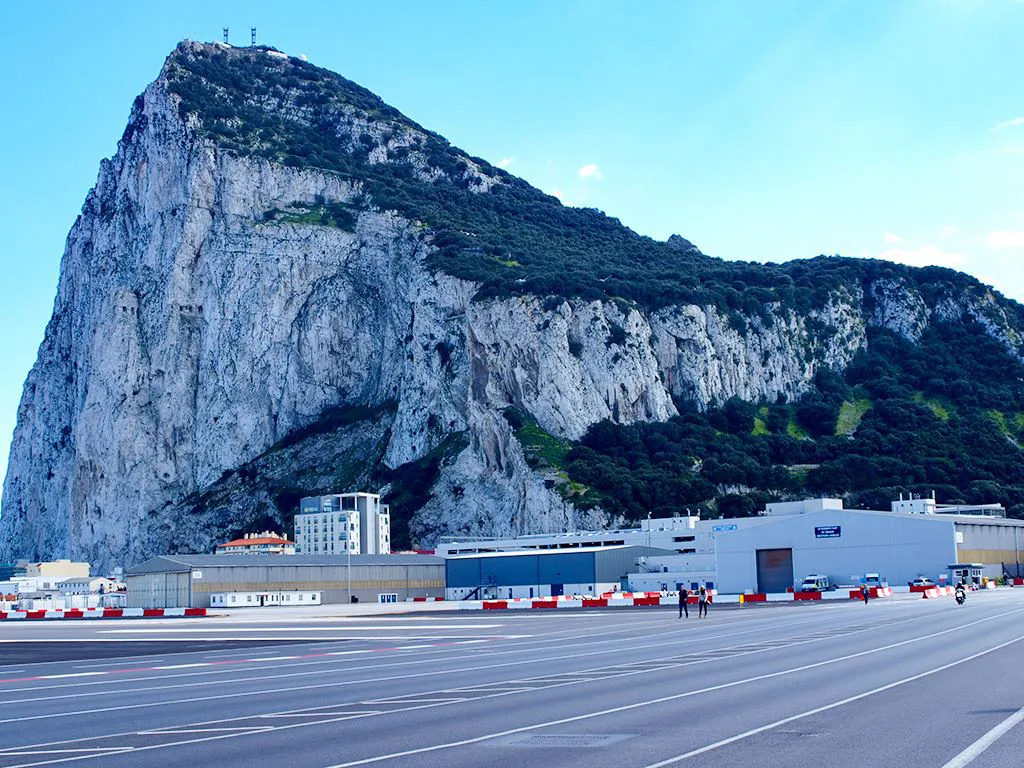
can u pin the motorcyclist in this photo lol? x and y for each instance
(961, 592)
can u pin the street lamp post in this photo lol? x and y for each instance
(348, 553)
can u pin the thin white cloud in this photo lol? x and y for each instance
(1013, 150)
(590, 171)
(889, 237)
(1014, 123)
(923, 256)
(1004, 238)
(505, 162)
(560, 195)
(948, 231)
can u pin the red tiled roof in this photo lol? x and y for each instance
(251, 542)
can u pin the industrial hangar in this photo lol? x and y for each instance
(499, 575)
(191, 581)
(772, 552)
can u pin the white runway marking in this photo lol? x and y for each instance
(688, 694)
(380, 628)
(986, 741)
(540, 725)
(122, 662)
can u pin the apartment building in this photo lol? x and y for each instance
(356, 523)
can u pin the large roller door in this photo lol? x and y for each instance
(774, 570)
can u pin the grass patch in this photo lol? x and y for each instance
(999, 419)
(337, 215)
(941, 407)
(760, 427)
(797, 432)
(542, 449)
(850, 414)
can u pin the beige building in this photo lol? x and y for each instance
(265, 543)
(50, 575)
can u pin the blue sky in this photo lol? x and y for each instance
(760, 131)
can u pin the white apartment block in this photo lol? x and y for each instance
(356, 523)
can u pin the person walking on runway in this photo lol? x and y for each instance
(702, 602)
(684, 595)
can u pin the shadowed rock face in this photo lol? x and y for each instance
(208, 307)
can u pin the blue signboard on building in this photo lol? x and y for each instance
(828, 532)
(721, 528)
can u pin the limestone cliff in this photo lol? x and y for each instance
(213, 303)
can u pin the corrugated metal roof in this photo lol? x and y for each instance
(183, 563)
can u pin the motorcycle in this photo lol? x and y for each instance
(961, 595)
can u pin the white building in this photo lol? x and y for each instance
(261, 599)
(790, 540)
(331, 525)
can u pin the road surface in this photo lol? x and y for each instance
(908, 683)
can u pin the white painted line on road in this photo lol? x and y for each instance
(345, 715)
(986, 741)
(207, 630)
(750, 624)
(490, 665)
(95, 751)
(240, 731)
(120, 663)
(176, 666)
(688, 694)
(73, 674)
(836, 704)
(320, 721)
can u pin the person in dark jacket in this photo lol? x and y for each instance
(684, 595)
(703, 598)
(865, 593)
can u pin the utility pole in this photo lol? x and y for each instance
(252, 36)
(1016, 550)
(348, 534)
(225, 34)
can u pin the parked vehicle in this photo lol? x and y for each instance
(922, 581)
(817, 583)
(873, 580)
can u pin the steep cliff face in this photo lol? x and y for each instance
(212, 302)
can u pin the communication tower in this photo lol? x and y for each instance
(252, 36)
(225, 34)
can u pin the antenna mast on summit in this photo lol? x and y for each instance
(225, 34)
(252, 36)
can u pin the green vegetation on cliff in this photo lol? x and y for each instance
(945, 414)
(512, 238)
(868, 436)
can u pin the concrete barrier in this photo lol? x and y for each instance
(102, 613)
(807, 595)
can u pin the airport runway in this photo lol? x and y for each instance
(907, 683)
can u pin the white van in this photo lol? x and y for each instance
(816, 583)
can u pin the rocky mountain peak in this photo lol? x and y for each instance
(282, 286)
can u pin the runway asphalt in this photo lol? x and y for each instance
(908, 683)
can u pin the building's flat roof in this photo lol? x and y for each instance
(184, 563)
(652, 551)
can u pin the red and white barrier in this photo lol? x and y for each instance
(104, 613)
